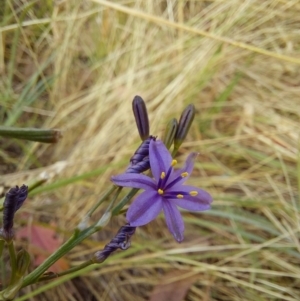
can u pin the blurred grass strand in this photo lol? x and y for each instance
(181, 27)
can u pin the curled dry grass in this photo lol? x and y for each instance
(76, 66)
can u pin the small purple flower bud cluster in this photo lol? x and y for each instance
(120, 241)
(139, 162)
(14, 199)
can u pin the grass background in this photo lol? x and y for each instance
(76, 65)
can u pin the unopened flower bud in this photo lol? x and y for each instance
(184, 125)
(23, 261)
(22, 195)
(14, 199)
(141, 117)
(139, 162)
(170, 132)
(120, 241)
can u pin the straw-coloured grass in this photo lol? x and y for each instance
(77, 65)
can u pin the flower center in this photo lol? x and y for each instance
(167, 189)
(182, 175)
(165, 176)
(163, 186)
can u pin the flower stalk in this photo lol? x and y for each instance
(170, 133)
(31, 134)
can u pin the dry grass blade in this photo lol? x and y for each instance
(182, 27)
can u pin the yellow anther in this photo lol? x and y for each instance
(160, 191)
(184, 174)
(174, 162)
(193, 193)
(163, 175)
(179, 196)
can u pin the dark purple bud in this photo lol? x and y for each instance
(22, 196)
(14, 199)
(139, 167)
(170, 132)
(184, 125)
(120, 241)
(141, 117)
(139, 162)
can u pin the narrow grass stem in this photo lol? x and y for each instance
(73, 241)
(65, 248)
(32, 134)
(108, 212)
(2, 243)
(69, 271)
(13, 261)
(101, 200)
(124, 201)
(174, 152)
(36, 183)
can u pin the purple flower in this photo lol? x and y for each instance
(165, 192)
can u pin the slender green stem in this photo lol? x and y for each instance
(117, 193)
(125, 200)
(101, 200)
(13, 261)
(32, 134)
(69, 271)
(66, 247)
(36, 183)
(107, 214)
(73, 241)
(174, 152)
(2, 243)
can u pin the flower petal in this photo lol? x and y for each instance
(144, 209)
(200, 202)
(134, 180)
(160, 158)
(174, 220)
(188, 167)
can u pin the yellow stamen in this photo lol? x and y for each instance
(163, 175)
(184, 174)
(160, 191)
(174, 162)
(193, 193)
(179, 196)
